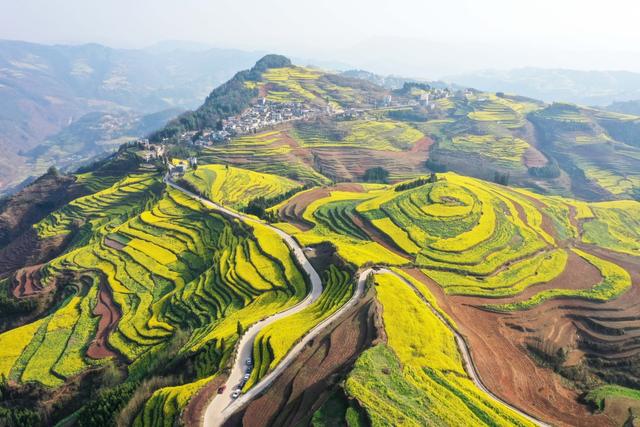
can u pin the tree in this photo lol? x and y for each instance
(501, 178)
(53, 170)
(376, 174)
(239, 329)
(436, 166)
(550, 170)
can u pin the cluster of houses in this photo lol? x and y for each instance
(426, 98)
(259, 116)
(150, 151)
(179, 167)
(264, 114)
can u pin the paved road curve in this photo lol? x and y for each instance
(222, 406)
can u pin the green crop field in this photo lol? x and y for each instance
(273, 342)
(235, 187)
(418, 378)
(614, 225)
(601, 395)
(375, 135)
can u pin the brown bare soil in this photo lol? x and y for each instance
(28, 249)
(578, 274)
(623, 411)
(533, 158)
(109, 317)
(308, 382)
(193, 413)
(349, 163)
(31, 204)
(378, 237)
(547, 222)
(113, 244)
(293, 210)
(27, 281)
(422, 146)
(498, 347)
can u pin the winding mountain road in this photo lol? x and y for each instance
(222, 406)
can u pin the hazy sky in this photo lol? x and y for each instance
(410, 36)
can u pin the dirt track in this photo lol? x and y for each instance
(501, 337)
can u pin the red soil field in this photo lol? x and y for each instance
(192, 415)
(109, 316)
(503, 363)
(27, 281)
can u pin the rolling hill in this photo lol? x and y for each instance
(438, 249)
(557, 85)
(44, 89)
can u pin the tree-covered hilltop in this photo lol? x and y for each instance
(229, 99)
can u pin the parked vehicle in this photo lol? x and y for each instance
(235, 394)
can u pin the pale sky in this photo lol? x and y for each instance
(411, 37)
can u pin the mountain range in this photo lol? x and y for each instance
(45, 89)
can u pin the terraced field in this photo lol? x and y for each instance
(418, 377)
(155, 297)
(597, 144)
(501, 110)
(375, 135)
(273, 342)
(506, 152)
(272, 152)
(487, 247)
(302, 84)
(235, 187)
(158, 267)
(310, 154)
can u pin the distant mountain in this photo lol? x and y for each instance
(93, 135)
(390, 81)
(581, 87)
(626, 107)
(44, 89)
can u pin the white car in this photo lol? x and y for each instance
(235, 394)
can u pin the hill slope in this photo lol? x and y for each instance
(43, 89)
(134, 313)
